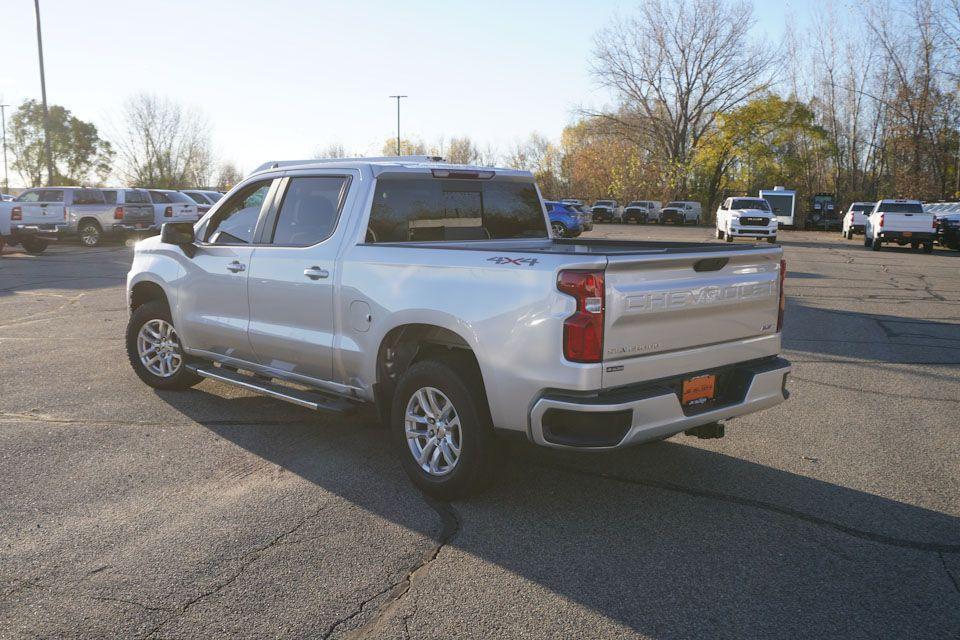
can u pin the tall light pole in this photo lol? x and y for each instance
(43, 93)
(6, 173)
(398, 121)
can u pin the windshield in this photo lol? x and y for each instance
(901, 207)
(635, 204)
(863, 207)
(424, 209)
(675, 205)
(750, 203)
(603, 203)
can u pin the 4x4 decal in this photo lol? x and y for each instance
(515, 261)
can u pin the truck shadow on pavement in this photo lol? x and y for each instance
(666, 539)
(878, 337)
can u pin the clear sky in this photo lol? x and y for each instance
(279, 79)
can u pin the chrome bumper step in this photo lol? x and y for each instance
(310, 399)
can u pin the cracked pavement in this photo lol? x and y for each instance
(127, 512)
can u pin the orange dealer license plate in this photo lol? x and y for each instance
(698, 390)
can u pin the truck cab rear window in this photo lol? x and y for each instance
(426, 209)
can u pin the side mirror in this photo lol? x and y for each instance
(178, 233)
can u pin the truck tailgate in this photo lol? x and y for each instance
(41, 213)
(678, 302)
(919, 222)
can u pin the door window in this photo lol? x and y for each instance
(88, 196)
(110, 196)
(236, 221)
(309, 210)
(29, 196)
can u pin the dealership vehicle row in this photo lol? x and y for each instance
(39, 215)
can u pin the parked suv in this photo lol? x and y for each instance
(172, 206)
(746, 218)
(133, 211)
(901, 221)
(855, 219)
(642, 211)
(586, 218)
(565, 220)
(204, 199)
(681, 212)
(437, 294)
(38, 216)
(605, 211)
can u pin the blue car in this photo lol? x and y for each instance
(565, 220)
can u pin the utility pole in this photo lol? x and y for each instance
(398, 121)
(43, 93)
(6, 171)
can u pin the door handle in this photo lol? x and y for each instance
(316, 273)
(236, 266)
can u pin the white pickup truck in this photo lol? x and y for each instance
(746, 218)
(901, 221)
(436, 293)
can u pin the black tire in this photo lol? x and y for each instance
(559, 230)
(772, 240)
(90, 234)
(866, 241)
(183, 378)
(729, 238)
(876, 244)
(719, 234)
(34, 246)
(928, 246)
(458, 379)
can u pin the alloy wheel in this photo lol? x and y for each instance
(433, 431)
(159, 348)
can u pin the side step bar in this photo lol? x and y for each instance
(309, 399)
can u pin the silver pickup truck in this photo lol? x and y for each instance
(39, 215)
(436, 293)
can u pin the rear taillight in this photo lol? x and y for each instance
(934, 222)
(118, 213)
(168, 212)
(16, 213)
(64, 214)
(880, 222)
(783, 297)
(583, 331)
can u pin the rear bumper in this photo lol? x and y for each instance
(858, 229)
(133, 227)
(915, 236)
(47, 231)
(633, 415)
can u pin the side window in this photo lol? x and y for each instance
(236, 220)
(309, 210)
(28, 196)
(136, 196)
(159, 197)
(196, 197)
(88, 196)
(110, 197)
(52, 195)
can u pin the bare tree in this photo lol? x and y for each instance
(228, 174)
(462, 151)
(163, 145)
(333, 150)
(674, 67)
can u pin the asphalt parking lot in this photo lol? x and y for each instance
(126, 512)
